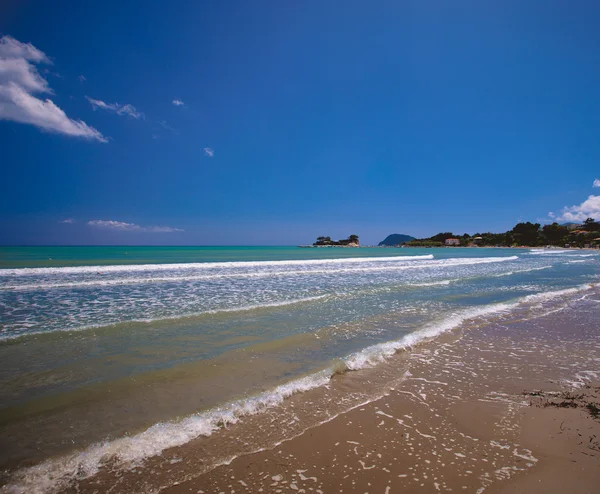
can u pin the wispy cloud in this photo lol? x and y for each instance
(81, 78)
(178, 102)
(131, 227)
(126, 109)
(67, 220)
(20, 80)
(53, 74)
(590, 208)
(596, 183)
(165, 125)
(209, 152)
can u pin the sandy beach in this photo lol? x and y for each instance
(508, 407)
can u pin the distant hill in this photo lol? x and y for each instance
(395, 239)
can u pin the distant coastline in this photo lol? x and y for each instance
(523, 235)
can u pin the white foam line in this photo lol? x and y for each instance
(571, 253)
(122, 281)
(380, 352)
(201, 265)
(544, 296)
(435, 283)
(548, 251)
(178, 279)
(510, 273)
(56, 474)
(533, 269)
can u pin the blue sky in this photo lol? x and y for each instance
(274, 122)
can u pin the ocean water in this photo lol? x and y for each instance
(112, 355)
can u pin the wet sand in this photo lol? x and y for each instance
(502, 408)
(567, 442)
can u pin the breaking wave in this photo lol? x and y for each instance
(133, 268)
(183, 274)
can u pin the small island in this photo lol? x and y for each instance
(351, 241)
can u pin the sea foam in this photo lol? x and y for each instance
(131, 268)
(572, 253)
(59, 278)
(127, 452)
(380, 352)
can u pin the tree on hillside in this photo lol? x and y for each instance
(526, 233)
(555, 233)
(440, 237)
(492, 239)
(353, 238)
(591, 225)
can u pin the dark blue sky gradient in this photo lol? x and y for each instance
(326, 118)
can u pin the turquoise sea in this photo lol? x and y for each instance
(38, 257)
(112, 355)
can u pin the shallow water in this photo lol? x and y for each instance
(103, 352)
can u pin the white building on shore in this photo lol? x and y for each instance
(453, 242)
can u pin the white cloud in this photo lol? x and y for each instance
(551, 214)
(178, 102)
(127, 109)
(590, 208)
(131, 227)
(20, 80)
(22, 73)
(209, 152)
(596, 183)
(18, 105)
(165, 125)
(82, 78)
(68, 220)
(10, 48)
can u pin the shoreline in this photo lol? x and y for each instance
(471, 414)
(454, 413)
